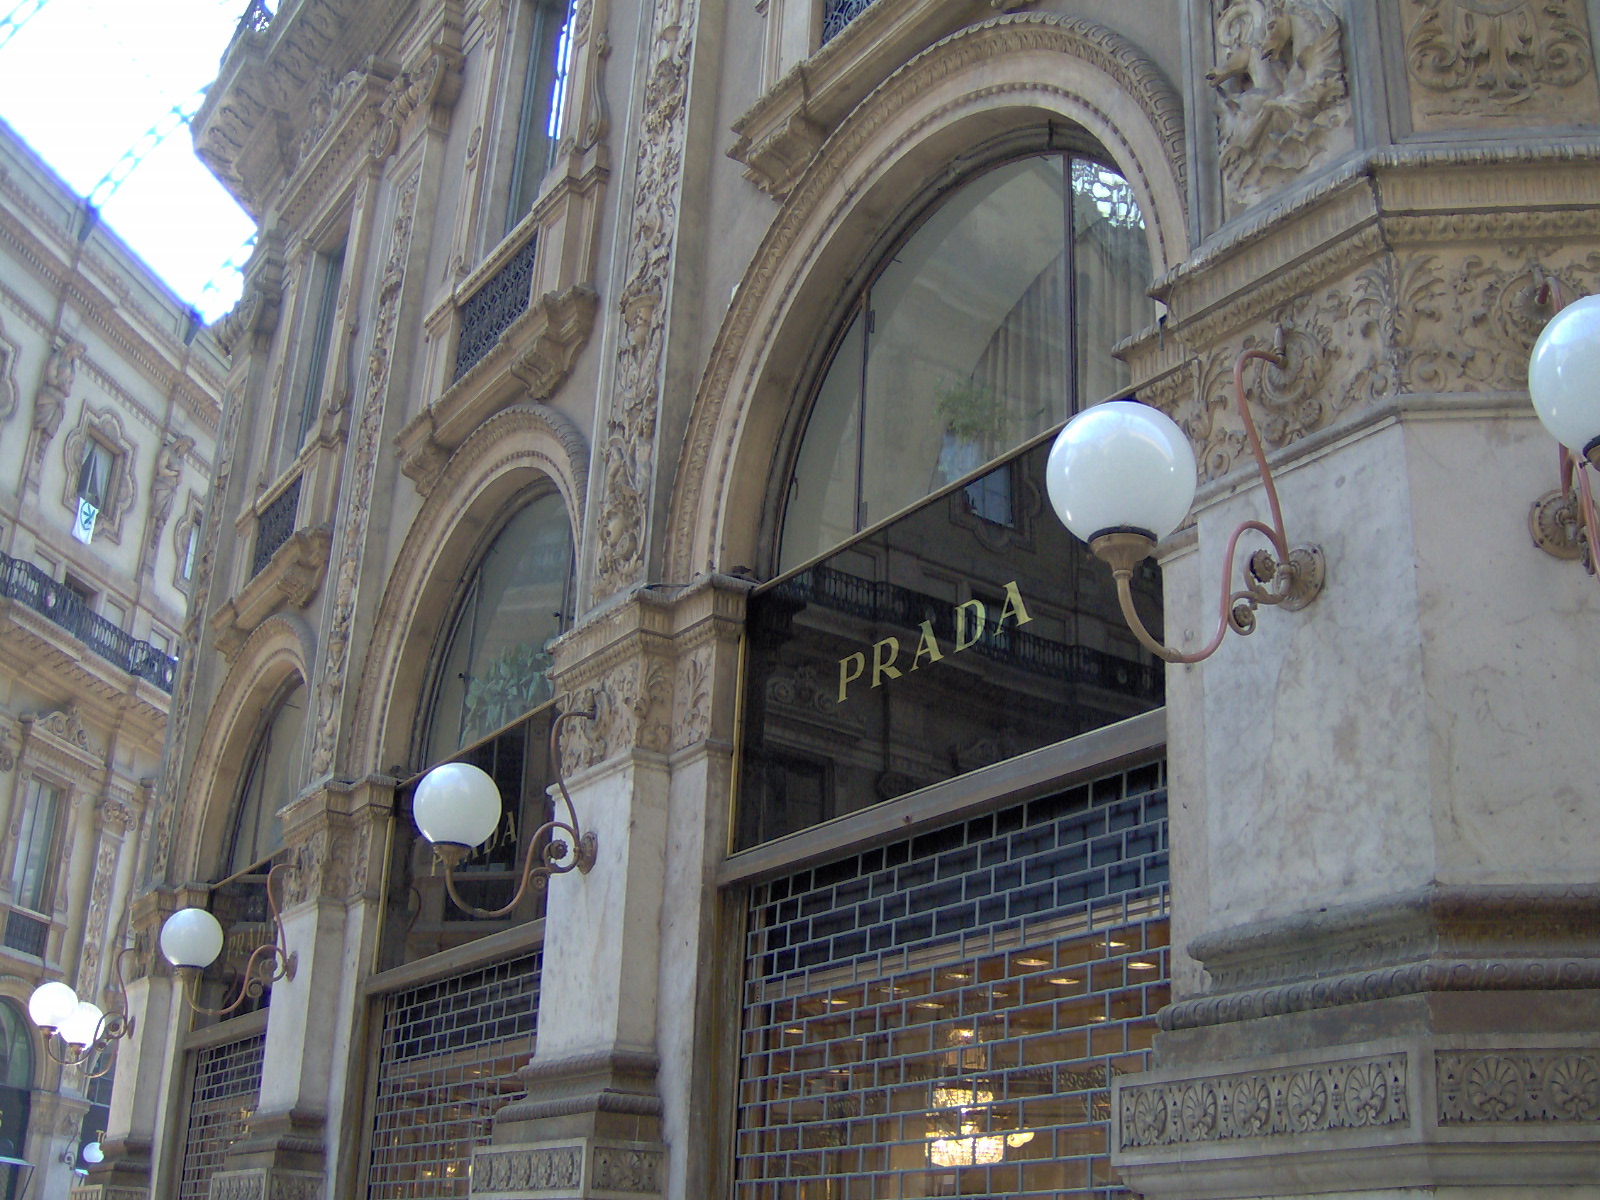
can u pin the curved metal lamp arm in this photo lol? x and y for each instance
(256, 976)
(1285, 575)
(113, 1027)
(1566, 522)
(574, 850)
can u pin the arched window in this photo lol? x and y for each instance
(992, 321)
(16, 1082)
(270, 779)
(495, 661)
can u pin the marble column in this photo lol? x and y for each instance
(623, 1005)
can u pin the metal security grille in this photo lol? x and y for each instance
(450, 1050)
(222, 1098)
(494, 308)
(25, 934)
(943, 1015)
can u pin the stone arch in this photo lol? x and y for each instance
(281, 647)
(516, 449)
(974, 86)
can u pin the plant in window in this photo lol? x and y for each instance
(970, 411)
(510, 685)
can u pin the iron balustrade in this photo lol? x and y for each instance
(493, 308)
(275, 526)
(838, 14)
(257, 16)
(891, 604)
(31, 587)
(26, 934)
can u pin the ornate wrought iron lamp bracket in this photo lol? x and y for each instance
(568, 848)
(266, 965)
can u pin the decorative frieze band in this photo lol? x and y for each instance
(625, 1169)
(1522, 1086)
(1317, 1098)
(527, 1170)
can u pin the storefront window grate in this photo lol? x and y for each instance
(943, 1015)
(227, 1081)
(448, 1060)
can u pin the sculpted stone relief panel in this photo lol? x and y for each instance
(365, 436)
(628, 455)
(1283, 105)
(1312, 1099)
(1498, 63)
(1557, 1086)
(1452, 308)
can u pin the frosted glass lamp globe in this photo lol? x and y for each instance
(1564, 377)
(83, 1026)
(456, 804)
(191, 938)
(92, 1153)
(1121, 467)
(51, 1004)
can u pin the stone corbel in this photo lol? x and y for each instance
(541, 347)
(253, 320)
(434, 83)
(291, 579)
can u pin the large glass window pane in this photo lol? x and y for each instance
(543, 94)
(30, 875)
(1112, 270)
(270, 780)
(822, 505)
(496, 661)
(968, 343)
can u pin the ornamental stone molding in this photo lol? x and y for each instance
(1054, 65)
(328, 695)
(291, 580)
(167, 792)
(1282, 101)
(627, 455)
(1553, 1086)
(523, 1170)
(1354, 1094)
(9, 392)
(1498, 64)
(525, 445)
(103, 425)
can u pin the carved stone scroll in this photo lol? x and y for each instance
(1498, 63)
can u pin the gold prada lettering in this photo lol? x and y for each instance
(927, 648)
(859, 661)
(972, 621)
(1013, 607)
(976, 611)
(882, 665)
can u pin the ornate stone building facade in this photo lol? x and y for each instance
(690, 366)
(110, 394)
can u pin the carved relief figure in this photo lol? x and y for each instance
(169, 468)
(1498, 59)
(51, 403)
(1281, 92)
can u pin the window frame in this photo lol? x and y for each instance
(51, 874)
(1051, 140)
(538, 75)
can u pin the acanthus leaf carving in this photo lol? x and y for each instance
(1517, 60)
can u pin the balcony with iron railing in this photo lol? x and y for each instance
(29, 586)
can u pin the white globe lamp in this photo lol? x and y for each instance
(92, 1153)
(83, 1026)
(457, 807)
(51, 1004)
(191, 938)
(1121, 474)
(1564, 378)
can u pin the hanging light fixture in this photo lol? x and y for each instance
(191, 940)
(77, 1033)
(1563, 371)
(1122, 476)
(457, 808)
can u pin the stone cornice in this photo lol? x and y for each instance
(292, 578)
(160, 357)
